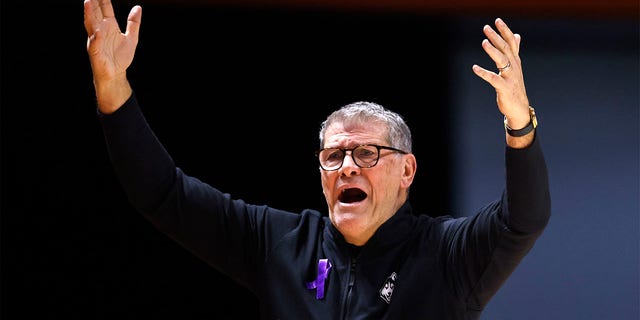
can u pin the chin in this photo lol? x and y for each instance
(347, 221)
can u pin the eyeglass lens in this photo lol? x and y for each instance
(363, 156)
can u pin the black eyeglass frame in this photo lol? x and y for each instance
(344, 152)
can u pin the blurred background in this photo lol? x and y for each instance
(222, 81)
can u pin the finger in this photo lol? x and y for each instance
(489, 76)
(92, 16)
(106, 8)
(133, 22)
(492, 46)
(496, 55)
(508, 37)
(495, 39)
(518, 40)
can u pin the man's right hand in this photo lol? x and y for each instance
(110, 52)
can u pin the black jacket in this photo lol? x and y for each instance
(414, 266)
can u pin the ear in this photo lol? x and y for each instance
(410, 167)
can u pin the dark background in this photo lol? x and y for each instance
(221, 83)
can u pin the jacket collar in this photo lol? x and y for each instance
(392, 233)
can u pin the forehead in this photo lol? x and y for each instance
(346, 134)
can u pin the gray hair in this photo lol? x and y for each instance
(362, 113)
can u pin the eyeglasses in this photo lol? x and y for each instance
(364, 156)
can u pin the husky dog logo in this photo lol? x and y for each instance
(387, 288)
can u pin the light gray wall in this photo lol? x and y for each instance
(582, 78)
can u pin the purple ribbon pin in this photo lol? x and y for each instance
(323, 271)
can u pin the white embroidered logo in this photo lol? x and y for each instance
(387, 288)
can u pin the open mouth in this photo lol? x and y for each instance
(352, 195)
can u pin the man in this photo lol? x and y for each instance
(371, 257)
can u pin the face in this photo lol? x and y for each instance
(361, 199)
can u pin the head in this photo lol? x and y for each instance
(362, 194)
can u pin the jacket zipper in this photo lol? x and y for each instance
(347, 296)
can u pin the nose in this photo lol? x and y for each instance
(349, 167)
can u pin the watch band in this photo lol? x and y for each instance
(533, 123)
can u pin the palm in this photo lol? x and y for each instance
(110, 51)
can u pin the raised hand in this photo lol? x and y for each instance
(110, 51)
(511, 96)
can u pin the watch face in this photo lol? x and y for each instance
(534, 119)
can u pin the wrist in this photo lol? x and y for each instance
(111, 95)
(521, 130)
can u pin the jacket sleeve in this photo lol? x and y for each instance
(228, 234)
(528, 199)
(487, 247)
(205, 221)
(142, 165)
